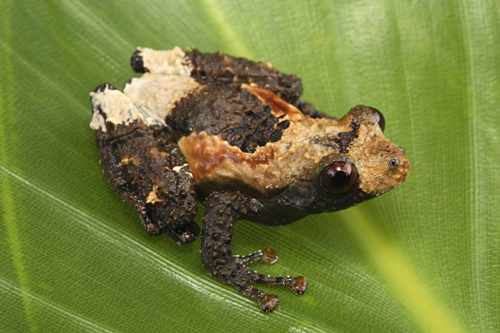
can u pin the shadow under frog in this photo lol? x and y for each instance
(237, 133)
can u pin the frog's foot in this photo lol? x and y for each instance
(237, 274)
(221, 212)
(183, 235)
(267, 254)
(267, 302)
(297, 284)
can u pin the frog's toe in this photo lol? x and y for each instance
(103, 87)
(267, 254)
(185, 234)
(137, 63)
(151, 228)
(270, 255)
(299, 285)
(269, 303)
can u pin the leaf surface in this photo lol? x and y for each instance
(424, 257)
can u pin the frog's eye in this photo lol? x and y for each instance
(339, 177)
(379, 117)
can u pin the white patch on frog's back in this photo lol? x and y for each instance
(114, 107)
(158, 93)
(171, 62)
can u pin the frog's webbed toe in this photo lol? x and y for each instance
(267, 254)
(222, 209)
(143, 163)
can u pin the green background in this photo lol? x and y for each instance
(424, 257)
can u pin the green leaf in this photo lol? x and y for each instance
(424, 257)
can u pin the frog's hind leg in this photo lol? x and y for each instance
(143, 163)
(207, 68)
(222, 209)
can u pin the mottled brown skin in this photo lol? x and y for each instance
(252, 147)
(249, 124)
(136, 160)
(222, 68)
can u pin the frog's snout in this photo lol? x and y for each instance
(400, 167)
(405, 166)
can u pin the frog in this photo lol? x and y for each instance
(236, 135)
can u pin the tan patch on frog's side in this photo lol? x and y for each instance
(268, 170)
(178, 168)
(213, 160)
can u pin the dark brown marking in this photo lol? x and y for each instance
(233, 114)
(220, 67)
(344, 139)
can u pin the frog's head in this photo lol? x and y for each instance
(353, 162)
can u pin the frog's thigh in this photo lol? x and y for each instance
(158, 93)
(210, 67)
(144, 164)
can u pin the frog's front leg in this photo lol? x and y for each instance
(222, 210)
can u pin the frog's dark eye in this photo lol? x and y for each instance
(379, 116)
(339, 177)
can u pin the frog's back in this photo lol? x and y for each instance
(233, 136)
(221, 109)
(174, 74)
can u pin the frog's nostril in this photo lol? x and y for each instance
(404, 150)
(394, 162)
